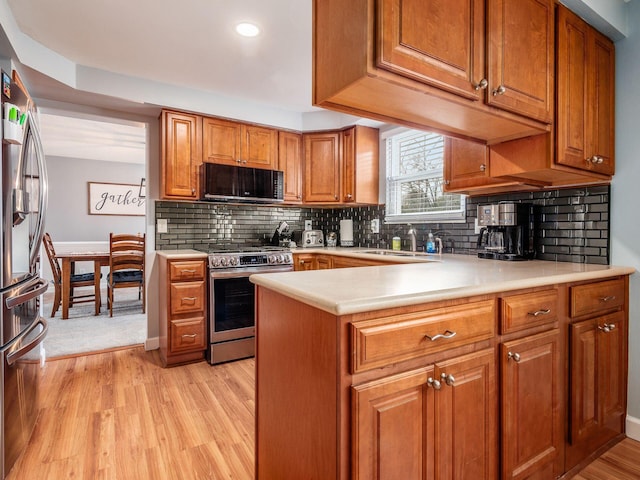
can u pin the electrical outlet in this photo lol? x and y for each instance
(307, 225)
(162, 225)
(375, 225)
(476, 227)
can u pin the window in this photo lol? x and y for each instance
(414, 187)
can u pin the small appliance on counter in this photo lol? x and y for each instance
(507, 231)
(346, 233)
(312, 238)
(332, 239)
(281, 237)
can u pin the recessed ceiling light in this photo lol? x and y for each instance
(247, 29)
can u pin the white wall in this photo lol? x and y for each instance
(625, 217)
(68, 218)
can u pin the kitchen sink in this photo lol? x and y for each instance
(396, 253)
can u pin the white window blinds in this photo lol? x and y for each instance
(414, 187)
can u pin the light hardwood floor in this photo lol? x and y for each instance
(119, 415)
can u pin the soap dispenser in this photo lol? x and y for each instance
(431, 243)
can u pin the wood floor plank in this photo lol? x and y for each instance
(119, 416)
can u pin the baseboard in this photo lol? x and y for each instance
(633, 427)
(151, 343)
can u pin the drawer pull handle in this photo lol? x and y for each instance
(187, 271)
(608, 298)
(607, 327)
(188, 299)
(514, 356)
(434, 383)
(448, 379)
(446, 334)
(546, 311)
(192, 335)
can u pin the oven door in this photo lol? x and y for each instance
(232, 302)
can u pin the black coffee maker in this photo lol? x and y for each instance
(507, 231)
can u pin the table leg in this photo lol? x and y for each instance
(96, 277)
(66, 281)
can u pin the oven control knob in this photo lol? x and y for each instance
(279, 258)
(271, 260)
(215, 261)
(224, 261)
(234, 261)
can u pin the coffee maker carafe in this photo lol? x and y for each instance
(507, 231)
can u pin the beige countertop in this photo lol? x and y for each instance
(351, 290)
(178, 254)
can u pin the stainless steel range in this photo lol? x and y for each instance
(232, 297)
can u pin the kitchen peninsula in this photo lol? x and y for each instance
(456, 368)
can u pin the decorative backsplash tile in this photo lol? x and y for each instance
(573, 224)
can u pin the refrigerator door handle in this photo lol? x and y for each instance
(32, 126)
(14, 356)
(38, 285)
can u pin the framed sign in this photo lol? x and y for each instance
(115, 199)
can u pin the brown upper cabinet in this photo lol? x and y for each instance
(341, 167)
(181, 155)
(585, 117)
(290, 162)
(241, 144)
(424, 63)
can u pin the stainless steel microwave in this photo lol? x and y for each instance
(231, 183)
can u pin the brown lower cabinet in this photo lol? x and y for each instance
(183, 309)
(523, 384)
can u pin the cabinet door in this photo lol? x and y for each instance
(521, 57)
(324, 262)
(585, 117)
(322, 167)
(302, 261)
(258, 147)
(598, 379)
(181, 155)
(437, 42)
(466, 405)
(466, 164)
(531, 419)
(393, 428)
(290, 162)
(360, 165)
(221, 141)
(601, 92)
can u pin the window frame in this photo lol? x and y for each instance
(422, 217)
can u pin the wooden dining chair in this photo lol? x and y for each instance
(126, 265)
(77, 280)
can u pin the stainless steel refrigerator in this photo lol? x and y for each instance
(23, 204)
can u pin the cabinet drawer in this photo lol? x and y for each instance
(188, 297)
(519, 312)
(187, 334)
(386, 340)
(596, 297)
(187, 270)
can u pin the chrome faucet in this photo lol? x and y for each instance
(412, 238)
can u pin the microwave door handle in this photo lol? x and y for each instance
(14, 356)
(38, 285)
(43, 184)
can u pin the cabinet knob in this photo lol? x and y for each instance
(349, 196)
(514, 356)
(596, 160)
(448, 379)
(499, 91)
(483, 167)
(481, 85)
(434, 383)
(607, 327)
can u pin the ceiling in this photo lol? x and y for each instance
(190, 43)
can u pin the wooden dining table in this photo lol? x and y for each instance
(99, 260)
